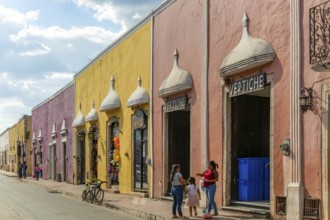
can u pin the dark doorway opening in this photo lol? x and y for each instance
(53, 161)
(34, 158)
(140, 122)
(179, 142)
(112, 152)
(40, 162)
(93, 137)
(64, 161)
(81, 158)
(250, 130)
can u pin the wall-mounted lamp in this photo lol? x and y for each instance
(81, 136)
(91, 135)
(74, 157)
(306, 99)
(126, 154)
(285, 147)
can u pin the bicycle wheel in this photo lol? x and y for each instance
(99, 196)
(90, 197)
(84, 195)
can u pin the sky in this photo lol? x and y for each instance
(44, 43)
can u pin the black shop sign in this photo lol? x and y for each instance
(247, 85)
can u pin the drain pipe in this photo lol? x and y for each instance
(151, 112)
(204, 89)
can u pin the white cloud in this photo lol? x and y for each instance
(12, 16)
(104, 11)
(64, 76)
(9, 109)
(137, 16)
(91, 33)
(9, 103)
(43, 50)
(47, 85)
(7, 79)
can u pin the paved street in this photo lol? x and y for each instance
(20, 201)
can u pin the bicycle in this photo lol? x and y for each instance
(86, 191)
(96, 193)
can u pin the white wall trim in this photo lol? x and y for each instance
(325, 150)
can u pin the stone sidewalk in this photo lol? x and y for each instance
(145, 208)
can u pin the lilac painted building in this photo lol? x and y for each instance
(52, 135)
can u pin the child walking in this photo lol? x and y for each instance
(193, 195)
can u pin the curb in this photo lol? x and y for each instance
(134, 212)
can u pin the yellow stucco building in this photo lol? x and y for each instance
(20, 144)
(112, 115)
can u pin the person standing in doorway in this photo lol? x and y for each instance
(24, 169)
(40, 173)
(37, 171)
(20, 166)
(177, 190)
(209, 183)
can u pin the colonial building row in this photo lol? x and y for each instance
(194, 81)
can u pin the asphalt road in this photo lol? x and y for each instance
(21, 201)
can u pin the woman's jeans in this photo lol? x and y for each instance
(37, 175)
(210, 192)
(177, 192)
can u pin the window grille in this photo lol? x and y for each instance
(311, 208)
(319, 33)
(280, 205)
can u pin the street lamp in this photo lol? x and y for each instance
(306, 99)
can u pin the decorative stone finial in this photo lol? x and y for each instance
(176, 56)
(80, 106)
(112, 82)
(245, 23)
(139, 80)
(245, 20)
(93, 103)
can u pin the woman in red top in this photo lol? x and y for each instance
(37, 171)
(210, 178)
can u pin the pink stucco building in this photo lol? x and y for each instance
(229, 81)
(52, 135)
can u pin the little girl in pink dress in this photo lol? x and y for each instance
(193, 195)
